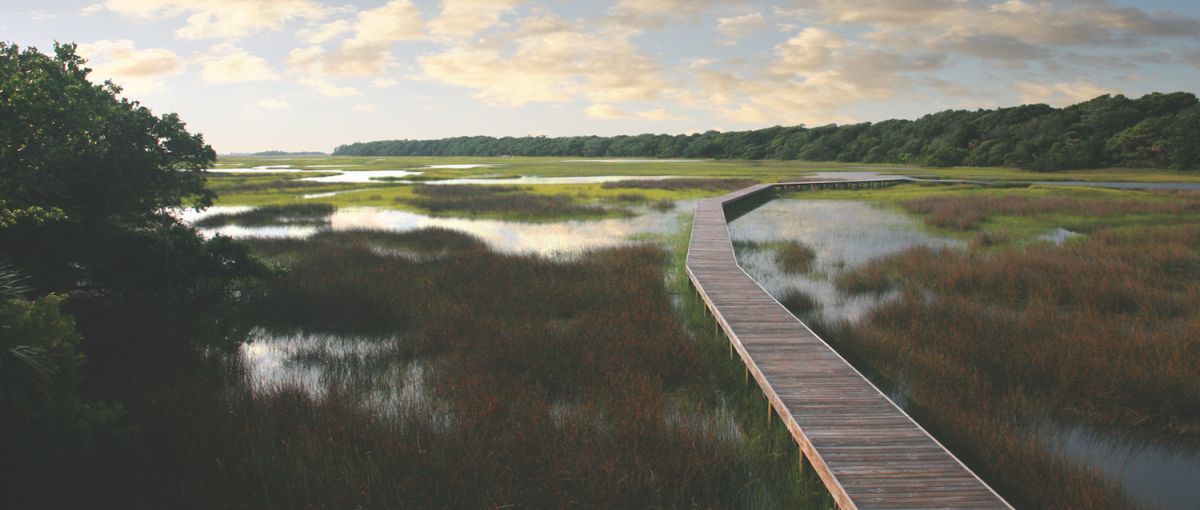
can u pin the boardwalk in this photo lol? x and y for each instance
(868, 452)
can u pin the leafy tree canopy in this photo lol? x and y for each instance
(1157, 130)
(88, 179)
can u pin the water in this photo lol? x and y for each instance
(370, 370)
(848, 234)
(843, 234)
(559, 238)
(361, 176)
(1153, 473)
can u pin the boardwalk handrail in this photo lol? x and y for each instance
(868, 452)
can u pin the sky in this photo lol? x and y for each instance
(255, 75)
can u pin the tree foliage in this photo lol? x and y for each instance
(88, 179)
(1155, 131)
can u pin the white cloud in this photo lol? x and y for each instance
(229, 19)
(136, 70)
(463, 18)
(605, 111)
(226, 63)
(547, 59)
(322, 33)
(368, 51)
(364, 108)
(327, 88)
(810, 50)
(383, 83)
(273, 104)
(1061, 93)
(736, 27)
(91, 9)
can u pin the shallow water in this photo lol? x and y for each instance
(848, 234)
(361, 176)
(843, 234)
(367, 369)
(1153, 473)
(558, 238)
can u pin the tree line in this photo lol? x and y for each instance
(1155, 131)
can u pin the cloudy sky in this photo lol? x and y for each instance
(312, 74)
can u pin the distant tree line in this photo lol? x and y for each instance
(1155, 131)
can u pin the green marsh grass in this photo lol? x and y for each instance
(506, 201)
(292, 214)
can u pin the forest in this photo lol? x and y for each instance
(1155, 131)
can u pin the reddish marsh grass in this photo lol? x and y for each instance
(553, 383)
(1103, 330)
(968, 212)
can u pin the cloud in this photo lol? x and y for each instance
(322, 33)
(327, 88)
(1009, 30)
(1061, 93)
(227, 19)
(273, 104)
(736, 27)
(547, 59)
(368, 51)
(136, 70)
(644, 14)
(397, 20)
(383, 83)
(364, 108)
(464, 18)
(226, 63)
(810, 50)
(604, 111)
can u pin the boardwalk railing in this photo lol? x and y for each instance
(868, 452)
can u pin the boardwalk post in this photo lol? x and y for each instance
(866, 451)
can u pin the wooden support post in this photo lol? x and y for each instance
(769, 412)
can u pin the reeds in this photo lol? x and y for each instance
(500, 200)
(989, 344)
(553, 383)
(966, 212)
(292, 214)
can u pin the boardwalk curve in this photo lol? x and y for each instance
(868, 452)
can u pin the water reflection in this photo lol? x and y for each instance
(564, 237)
(1155, 474)
(370, 370)
(843, 234)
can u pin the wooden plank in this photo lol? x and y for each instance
(867, 451)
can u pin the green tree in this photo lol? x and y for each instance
(88, 180)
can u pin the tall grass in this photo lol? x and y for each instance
(551, 383)
(989, 346)
(967, 212)
(511, 201)
(292, 214)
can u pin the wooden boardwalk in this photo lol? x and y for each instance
(867, 451)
